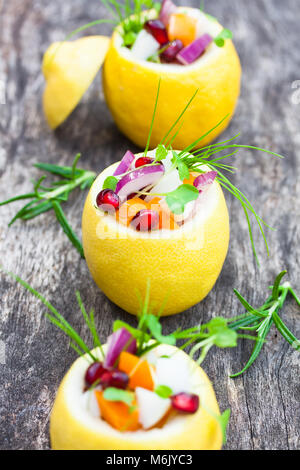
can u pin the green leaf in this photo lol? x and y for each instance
(161, 152)
(222, 36)
(177, 199)
(275, 290)
(129, 38)
(110, 183)
(183, 170)
(155, 327)
(226, 339)
(163, 391)
(223, 421)
(222, 335)
(116, 394)
(66, 227)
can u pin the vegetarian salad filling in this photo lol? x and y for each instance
(138, 388)
(154, 191)
(173, 35)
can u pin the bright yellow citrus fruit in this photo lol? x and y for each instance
(69, 69)
(130, 86)
(182, 265)
(72, 427)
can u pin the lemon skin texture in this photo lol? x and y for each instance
(73, 428)
(130, 87)
(181, 265)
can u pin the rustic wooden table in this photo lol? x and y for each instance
(265, 401)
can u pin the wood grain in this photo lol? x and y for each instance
(265, 401)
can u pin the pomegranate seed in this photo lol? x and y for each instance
(169, 54)
(185, 402)
(158, 31)
(108, 200)
(145, 220)
(94, 372)
(114, 378)
(143, 161)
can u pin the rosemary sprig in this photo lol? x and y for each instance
(264, 317)
(43, 199)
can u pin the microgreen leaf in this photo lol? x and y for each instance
(182, 168)
(116, 394)
(163, 391)
(161, 152)
(178, 198)
(129, 38)
(155, 327)
(110, 183)
(223, 336)
(222, 36)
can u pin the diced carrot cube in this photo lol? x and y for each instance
(183, 27)
(139, 371)
(129, 209)
(118, 414)
(166, 219)
(191, 179)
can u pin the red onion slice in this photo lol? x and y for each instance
(125, 163)
(193, 51)
(120, 340)
(138, 179)
(205, 179)
(167, 9)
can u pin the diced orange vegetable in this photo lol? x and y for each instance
(166, 220)
(183, 27)
(118, 414)
(139, 371)
(191, 179)
(129, 209)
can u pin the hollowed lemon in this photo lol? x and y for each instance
(72, 427)
(182, 265)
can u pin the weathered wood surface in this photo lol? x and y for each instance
(264, 402)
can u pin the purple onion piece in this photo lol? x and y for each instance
(138, 179)
(125, 163)
(167, 9)
(205, 179)
(120, 340)
(193, 51)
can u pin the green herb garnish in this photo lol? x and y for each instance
(116, 394)
(110, 183)
(219, 40)
(178, 198)
(44, 199)
(163, 391)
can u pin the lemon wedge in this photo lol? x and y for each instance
(69, 69)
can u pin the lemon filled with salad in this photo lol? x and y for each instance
(161, 215)
(184, 46)
(137, 391)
